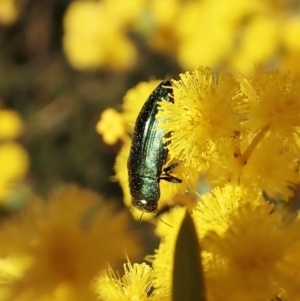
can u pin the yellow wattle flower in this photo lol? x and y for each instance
(135, 284)
(111, 126)
(202, 116)
(11, 124)
(65, 242)
(272, 99)
(101, 46)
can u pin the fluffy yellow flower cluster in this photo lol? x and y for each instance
(53, 249)
(242, 136)
(244, 132)
(95, 34)
(14, 160)
(235, 34)
(248, 252)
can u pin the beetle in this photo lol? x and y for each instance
(148, 153)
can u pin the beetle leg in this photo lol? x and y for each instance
(170, 168)
(171, 179)
(166, 173)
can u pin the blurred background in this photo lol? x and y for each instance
(63, 62)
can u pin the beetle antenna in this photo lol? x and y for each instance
(157, 216)
(140, 221)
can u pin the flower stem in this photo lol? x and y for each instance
(246, 155)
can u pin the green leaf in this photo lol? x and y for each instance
(188, 279)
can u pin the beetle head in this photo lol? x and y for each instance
(145, 205)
